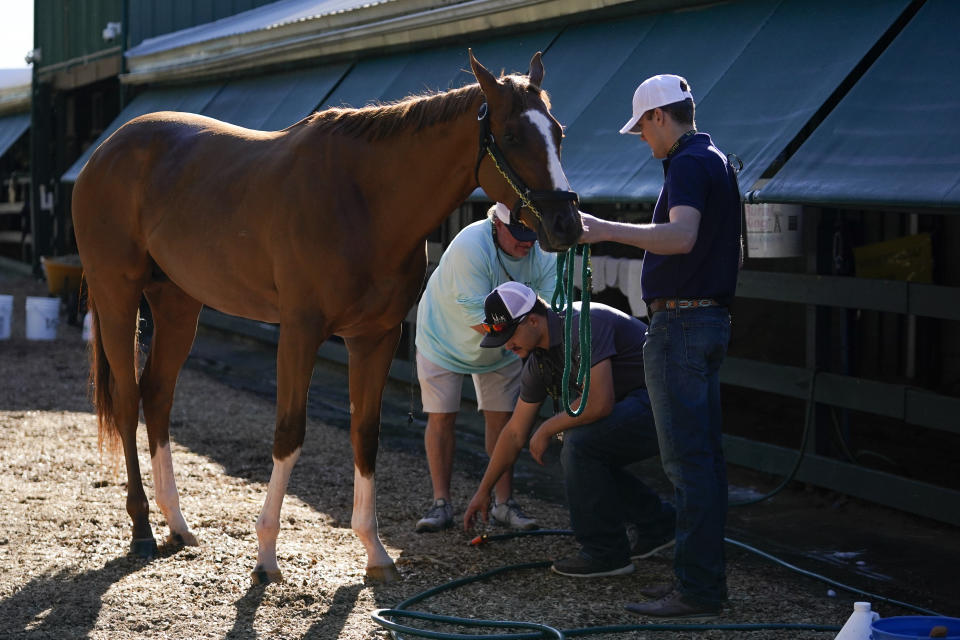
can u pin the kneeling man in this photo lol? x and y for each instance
(616, 429)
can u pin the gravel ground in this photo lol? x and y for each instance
(64, 571)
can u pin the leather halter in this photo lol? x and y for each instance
(527, 197)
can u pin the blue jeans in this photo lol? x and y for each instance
(682, 358)
(602, 495)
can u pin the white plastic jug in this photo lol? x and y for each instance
(87, 326)
(858, 624)
(43, 317)
(6, 316)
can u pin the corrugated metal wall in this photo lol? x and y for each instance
(70, 29)
(73, 29)
(149, 18)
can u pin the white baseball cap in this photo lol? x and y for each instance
(505, 307)
(502, 212)
(654, 92)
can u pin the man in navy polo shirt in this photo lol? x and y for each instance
(692, 256)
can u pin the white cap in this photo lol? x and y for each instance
(502, 212)
(654, 92)
(504, 308)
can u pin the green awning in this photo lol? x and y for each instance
(894, 138)
(609, 60)
(787, 72)
(389, 78)
(11, 128)
(192, 99)
(758, 70)
(267, 102)
(273, 102)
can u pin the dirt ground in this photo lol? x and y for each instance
(64, 533)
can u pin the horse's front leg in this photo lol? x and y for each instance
(370, 358)
(296, 355)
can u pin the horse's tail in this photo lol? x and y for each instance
(108, 431)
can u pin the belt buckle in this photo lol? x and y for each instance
(694, 304)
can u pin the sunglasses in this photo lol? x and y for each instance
(500, 326)
(495, 328)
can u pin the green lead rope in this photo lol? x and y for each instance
(563, 303)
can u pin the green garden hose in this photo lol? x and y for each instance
(382, 616)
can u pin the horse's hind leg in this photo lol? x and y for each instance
(117, 301)
(370, 358)
(175, 326)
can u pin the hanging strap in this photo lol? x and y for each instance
(563, 303)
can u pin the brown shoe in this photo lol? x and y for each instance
(583, 566)
(656, 590)
(675, 605)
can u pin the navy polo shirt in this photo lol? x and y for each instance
(698, 175)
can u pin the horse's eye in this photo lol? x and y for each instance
(511, 139)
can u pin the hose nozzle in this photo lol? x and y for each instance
(481, 539)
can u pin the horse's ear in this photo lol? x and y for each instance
(488, 83)
(536, 70)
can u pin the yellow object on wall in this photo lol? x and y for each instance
(909, 258)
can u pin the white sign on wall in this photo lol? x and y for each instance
(774, 230)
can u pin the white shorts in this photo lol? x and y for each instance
(440, 388)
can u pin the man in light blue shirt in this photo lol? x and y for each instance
(482, 256)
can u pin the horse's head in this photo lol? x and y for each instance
(519, 157)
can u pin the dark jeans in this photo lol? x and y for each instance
(682, 358)
(601, 493)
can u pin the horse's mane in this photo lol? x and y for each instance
(415, 112)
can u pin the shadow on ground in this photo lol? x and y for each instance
(868, 547)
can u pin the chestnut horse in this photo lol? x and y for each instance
(320, 227)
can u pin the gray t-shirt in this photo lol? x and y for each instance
(614, 335)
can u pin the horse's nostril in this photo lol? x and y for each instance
(565, 225)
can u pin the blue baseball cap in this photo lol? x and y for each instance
(519, 231)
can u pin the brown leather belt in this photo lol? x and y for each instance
(663, 304)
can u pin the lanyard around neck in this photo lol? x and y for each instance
(676, 145)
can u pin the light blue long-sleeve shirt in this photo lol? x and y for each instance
(453, 300)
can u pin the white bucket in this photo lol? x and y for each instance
(6, 316)
(87, 326)
(43, 317)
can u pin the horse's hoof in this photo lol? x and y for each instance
(144, 548)
(262, 576)
(387, 573)
(183, 539)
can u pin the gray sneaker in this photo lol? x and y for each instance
(509, 514)
(439, 516)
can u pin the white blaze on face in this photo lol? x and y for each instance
(543, 124)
